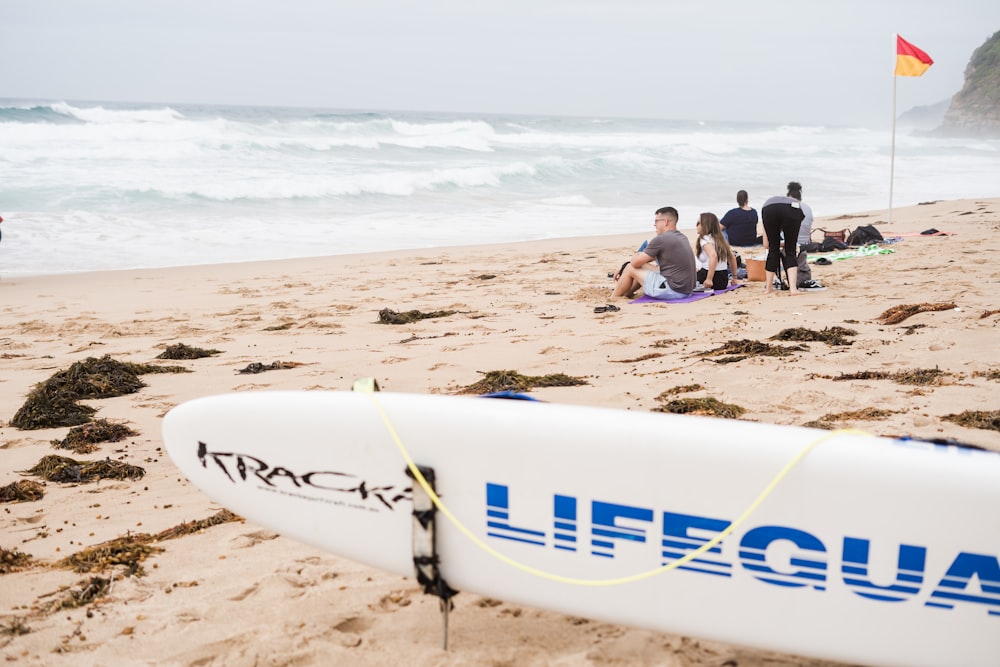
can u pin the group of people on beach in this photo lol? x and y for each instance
(665, 267)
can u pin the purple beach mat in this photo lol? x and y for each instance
(697, 296)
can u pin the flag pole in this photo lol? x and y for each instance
(892, 153)
(910, 61)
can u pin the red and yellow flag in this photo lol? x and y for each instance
(910, 61)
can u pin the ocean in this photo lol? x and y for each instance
(97, 186)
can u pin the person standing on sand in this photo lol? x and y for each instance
(740, 224)
(782, 218)
(805, 236)
(671, 251)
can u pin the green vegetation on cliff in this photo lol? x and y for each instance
(976, 108)
(982, 74)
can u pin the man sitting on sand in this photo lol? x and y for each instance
(670, 249)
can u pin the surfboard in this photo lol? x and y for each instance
(830, 544)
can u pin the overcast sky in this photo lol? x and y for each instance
(777, 61)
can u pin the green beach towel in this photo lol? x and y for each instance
(864, 251)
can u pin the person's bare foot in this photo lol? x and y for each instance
(794, 292)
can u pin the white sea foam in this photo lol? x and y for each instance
(100, 115)
(103, 186)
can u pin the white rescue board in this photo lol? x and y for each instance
(846, 546)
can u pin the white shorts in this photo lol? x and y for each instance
(655, 286)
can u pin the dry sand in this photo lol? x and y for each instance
(234, 594)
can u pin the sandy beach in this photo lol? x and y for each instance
(236, 594)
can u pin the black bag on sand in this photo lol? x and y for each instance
(830, 244)
(864, 235)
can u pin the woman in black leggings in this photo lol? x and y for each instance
(782, 217)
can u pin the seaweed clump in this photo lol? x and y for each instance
(21, 491)
(708, 407)
(64, 469)
(84, 439)
(12, 560)
(642, 357)
(897, 314)
(864, 414)
(89, 590)
(50, 410)
(54, 402)
(984, 419)
(829, 335)
(257, 367)
(682, 389)
(129, 551)
(189, 527)
(494, 381)
(14, 627)
(389, 316)
(830, 421)
(920, 376)
(182, 351)
(86, 592)
(132, 549)
(738, 350)
(821, 423)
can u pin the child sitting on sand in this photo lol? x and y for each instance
(716, 261)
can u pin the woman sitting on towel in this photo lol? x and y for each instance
(715, 258)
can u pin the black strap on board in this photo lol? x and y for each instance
(425, 556)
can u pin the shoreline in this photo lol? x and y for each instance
(686, 225)
(236, 594)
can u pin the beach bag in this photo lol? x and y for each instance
(755, 269)
(836, 234)
(864, 235)
(830, 244)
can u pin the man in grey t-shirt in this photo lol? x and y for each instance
(671, 250)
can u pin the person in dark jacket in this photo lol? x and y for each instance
(740, 223)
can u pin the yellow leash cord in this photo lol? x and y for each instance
(599, 582)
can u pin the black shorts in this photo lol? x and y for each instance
(719, 281)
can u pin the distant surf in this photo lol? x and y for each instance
(95, 186)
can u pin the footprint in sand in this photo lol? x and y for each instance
(187, 617)
(354, 624)
(395, 360)
(489, 602)
(393, 601)
(248, 540)
(351, 629)
(240, 597)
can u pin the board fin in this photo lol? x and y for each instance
(425, 556)
(368, 384)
